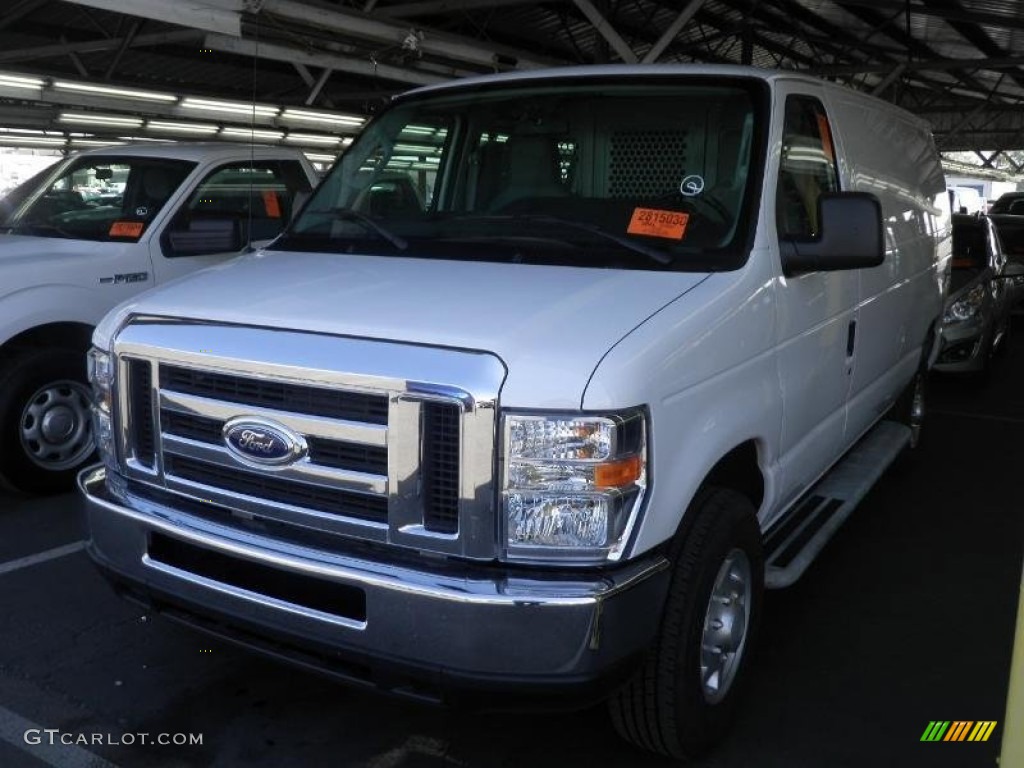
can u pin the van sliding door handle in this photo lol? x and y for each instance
(851, 337)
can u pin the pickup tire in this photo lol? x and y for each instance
(45, 426)
(684, 698)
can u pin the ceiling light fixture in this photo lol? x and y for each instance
(124, 93)
(311, 138)
(17, 81)
(206, 129)
(107, 120)
(95, 143)
(233, 107)
(305, 115)
(35, 141)
(251, 135)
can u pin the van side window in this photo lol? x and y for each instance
(237, 204)
(807, 167)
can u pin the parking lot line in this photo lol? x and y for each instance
(23, 733)
(41, 557)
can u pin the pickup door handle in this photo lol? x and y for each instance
(851, 337)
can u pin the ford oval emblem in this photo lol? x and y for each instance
(261, 442)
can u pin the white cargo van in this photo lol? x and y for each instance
(88, 233)
(635, 346)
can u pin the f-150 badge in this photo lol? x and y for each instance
(126, 277)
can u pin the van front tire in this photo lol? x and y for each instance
(45, 429)
(684, 699)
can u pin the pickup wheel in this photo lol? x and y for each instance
(45, 426)
(684, 698)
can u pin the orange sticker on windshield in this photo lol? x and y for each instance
(270, 203)
(126, 228)
(656, 223)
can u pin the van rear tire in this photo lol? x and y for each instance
(684, 698)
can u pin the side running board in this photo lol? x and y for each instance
(794, 541)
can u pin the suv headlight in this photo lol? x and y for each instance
(967, 307)
(572, 485)
(101, 377)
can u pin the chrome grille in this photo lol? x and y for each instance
(388, 458)
(316, 401)
(140, 409)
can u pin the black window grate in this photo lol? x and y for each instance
(297, 398)
(140, 411)
(440, 469)
(328, 500)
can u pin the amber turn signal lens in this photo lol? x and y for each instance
(613, 474)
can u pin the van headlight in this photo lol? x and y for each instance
(967, 307)
(572, 485)
(101, 377)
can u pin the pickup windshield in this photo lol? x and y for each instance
(98, 198)
(641, 173)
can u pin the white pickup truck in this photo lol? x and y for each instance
(554, 373)
(92, 231)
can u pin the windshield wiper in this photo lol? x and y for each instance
(543, 218)
(347, 214)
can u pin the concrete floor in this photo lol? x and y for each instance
(906, 618)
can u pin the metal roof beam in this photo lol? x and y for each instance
(607, 31)
(358, 24)
(674, 29)
(125, 42)
(221, 16)
(23, 8)
(94, 46)
(435, 7)
(340, 63)
(931, 65)
(1006, 21)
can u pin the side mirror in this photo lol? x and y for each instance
(850, 236)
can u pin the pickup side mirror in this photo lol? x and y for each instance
(850, 236)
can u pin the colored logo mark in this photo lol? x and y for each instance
(958, 730)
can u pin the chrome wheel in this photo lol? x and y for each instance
(55, 426)
(725, 626)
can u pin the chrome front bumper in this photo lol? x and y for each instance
(449, 623)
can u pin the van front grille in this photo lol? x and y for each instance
(335, 441)
(140, 410)
(315, 401)
(278, 490)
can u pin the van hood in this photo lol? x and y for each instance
(549, 325)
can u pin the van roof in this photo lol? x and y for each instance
(623, 70)
(196, 151)
(652, 70)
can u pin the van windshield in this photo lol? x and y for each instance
(644, 173)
